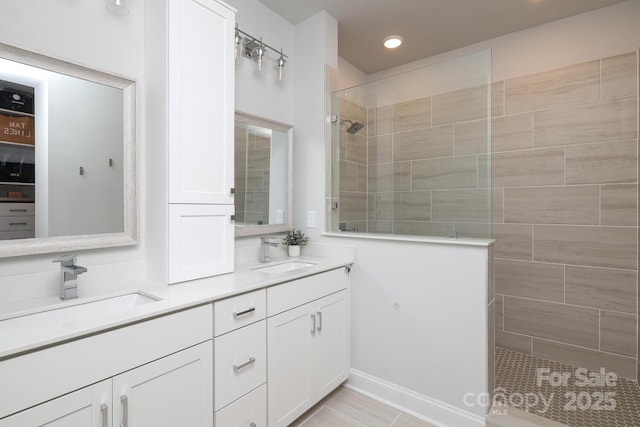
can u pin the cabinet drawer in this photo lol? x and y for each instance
(298, 292)
(24, 234)
(236, 312)
(17, 223)
(251, 410)
(17, 209)
(240, 363)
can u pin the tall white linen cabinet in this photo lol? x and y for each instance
(190, 112)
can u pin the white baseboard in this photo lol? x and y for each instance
(431, 410)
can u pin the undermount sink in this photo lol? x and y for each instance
(76, 309)
(284, 267)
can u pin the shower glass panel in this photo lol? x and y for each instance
(411, 152)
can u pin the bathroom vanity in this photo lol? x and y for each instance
(212, 349)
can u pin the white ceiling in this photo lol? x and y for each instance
(429, 27)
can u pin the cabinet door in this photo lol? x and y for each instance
(87, 407)
(176, 390)
(201, 102)
(201, 241)
(331, 347)
(290, 365)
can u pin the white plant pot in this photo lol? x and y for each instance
(294, 250)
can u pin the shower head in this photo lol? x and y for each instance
(354, 128)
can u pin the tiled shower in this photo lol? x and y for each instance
(563, 206)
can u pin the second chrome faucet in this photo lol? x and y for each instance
(265, 242)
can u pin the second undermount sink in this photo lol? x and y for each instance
(77, 309)
(284, 267)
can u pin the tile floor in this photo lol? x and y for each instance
(572, 405)
(346, 408)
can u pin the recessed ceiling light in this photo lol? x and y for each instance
(392, 42)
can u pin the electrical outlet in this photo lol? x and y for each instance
(311, 219)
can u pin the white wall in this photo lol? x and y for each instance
(261, 93)
(84, 32)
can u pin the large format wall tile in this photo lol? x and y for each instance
(619, 76)
(348, 176)
(473, 230)
(403, 206)
(512, 132)
(497, 205)
(389, 177)
(618, 333)
(601, 121)
(423, 144)
(602, 163)
(461, 205)
(602, 288)
(619, 205)
(460, 106)
(592, 359)
(353, 206)
(379, 149)
(530, 280)
(552, 205)
(356, 148)
(513, 241)
(383, 120)
(497, 99)
(613, 247)
(471, 137)
(499, 311)
(558, 322)
(528, 168)
(412, 115)
(422, 228)
(447, 173)
(570, 85)
(515, 342)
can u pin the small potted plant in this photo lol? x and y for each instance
(294, 240)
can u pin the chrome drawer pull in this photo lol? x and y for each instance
(17, 210)
(125, 411)
(319, 321)
(17, 223)
(249, 310)
(104, 410)
(313, 328)
(251, 361)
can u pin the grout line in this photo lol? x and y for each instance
(599, 330)
(396, 419)
(345, 416)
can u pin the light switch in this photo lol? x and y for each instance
(311, 219)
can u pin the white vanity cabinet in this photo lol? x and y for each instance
(154, 373)
(190, 86)
(308, 343)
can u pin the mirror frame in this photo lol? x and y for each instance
(255, 230)
(41, 245)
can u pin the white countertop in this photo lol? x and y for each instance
(20, 333)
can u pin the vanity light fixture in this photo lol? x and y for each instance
(255, 49)
(392, 42)
(117, 7)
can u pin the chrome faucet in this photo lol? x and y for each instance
(70, 272)
(264, 248)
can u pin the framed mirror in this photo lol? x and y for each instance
(263, 171)
(67, 156)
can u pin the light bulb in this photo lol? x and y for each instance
(280, 64)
